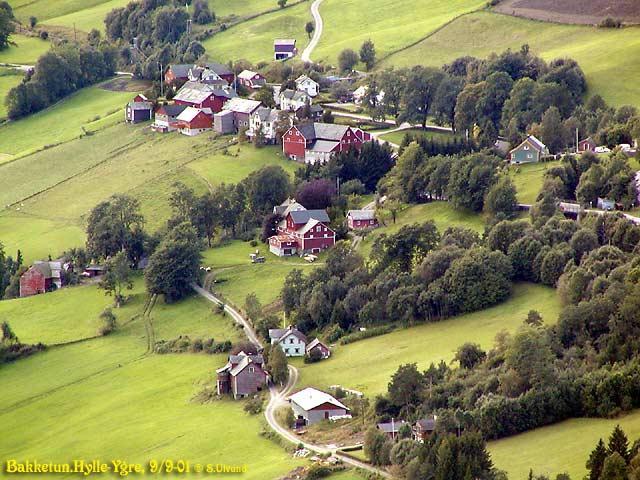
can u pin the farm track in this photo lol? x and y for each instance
(317, 33)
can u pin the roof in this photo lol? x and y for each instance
(44, 268)
(428, 424)
(314, 343)
(140, 105)
(238, 362)
(280, 334)
(284, 42)
(218, 68)
(172, 110)
(241, 105)
(303, 216)
(267, 114)
(391, 427)
(309, 226)
(362, 214)
(180, 70)
(324, 146)
(295, 95)
(310, 398)
(287, 206)
(323, 131)
(195, 92)
(537, 144)
(304, 78)
(188, 114)
(247, 75)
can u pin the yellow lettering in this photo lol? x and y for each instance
(12, 466)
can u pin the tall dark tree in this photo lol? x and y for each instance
(368, 54)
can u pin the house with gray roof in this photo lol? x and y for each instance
(301, 231)
(243, 375)
(292, 100)
(242, 109)
(292, 341)
(529, 151)
(362, 219)
(264, 120)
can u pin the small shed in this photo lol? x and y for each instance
(223, 122)
(137, 112)
(606, 204)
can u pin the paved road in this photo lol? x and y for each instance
(317, 33)
(278, 398)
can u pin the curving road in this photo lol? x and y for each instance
(278, 398)
(317, 32)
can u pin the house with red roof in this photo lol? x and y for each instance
(318, 142)
(301, 231)
(242, 376)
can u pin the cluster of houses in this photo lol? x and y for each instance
(421, 430)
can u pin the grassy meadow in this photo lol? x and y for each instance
(391, 24)
(240, 8)
(253, 40)
(47, 9)
(398, 137)
(80, 399)
(26, 51)
(560, 448)
(598, 51)
(8, 79)
(528, 179)
(87, 16)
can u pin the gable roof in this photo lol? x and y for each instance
(294, 95)
(188, 114)
(267, 114)
(391, 427)
(172, 110)
(362, 214)
(180, 70)
(428, 424)
(284, 42)
(280, 334)
(140, 105)
(314, 343)
(287, 206)
(247, 75)
(310, 398)
(218, 68)
(534, 142)
(305, 78)
(241, 105)
(44, 268)
(195, 92)
(303, 216)
(324, 146)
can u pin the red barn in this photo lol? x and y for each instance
(41, 277)
(201, 95)
(362, 219)
(302, 231)
(176, 75)
(587, 145)
(243, 375)
(318, 142)
(193, 121)
(317, 346)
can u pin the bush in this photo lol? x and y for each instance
(184, 344)
(108, 322)
(253, 243)
(318, 471)
(371, 332)
(253, 406)
(44, 35)
(610, 23)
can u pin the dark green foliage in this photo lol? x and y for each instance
(405, 386)
(469, 355)
(277, 365)
(186, 344)
(6, 24)
(501, 199)
(377, 447)
(10, 347)
(368, 54)
(596, 461)
(108, 322)
(406, 248)
(201, 13)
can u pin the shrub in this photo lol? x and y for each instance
(108, 322)
(44, 35)
(611, 23)
(253, 406)
(184, 344)
(253, 243)
(371, 332)
(318, 471)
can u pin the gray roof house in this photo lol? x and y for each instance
(292, 341)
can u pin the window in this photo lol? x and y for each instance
(297, 350)
(318, 229)
(291, 340)
(252, 370)
(286, 351)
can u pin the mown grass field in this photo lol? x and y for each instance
(8, 79)
(391, 24)
(240, 8)
(88, 16)
(64, 120)
(398, 137)
(598, 51)
(109, 398)
(46, 9)
(367, 365)
(26, 51)
(528, 179)
(563, 447)
(253, 40)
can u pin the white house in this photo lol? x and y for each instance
(307, 85)
(360, 93)
(292, 100)
(264, 119)
(312, 406)
(292, 341)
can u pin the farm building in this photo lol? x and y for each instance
(42, 277)
(361, 219)
(587, 145)
(287, 206)
(307, 85)
(194, 121)
(360, 93)
(138, 111)
(223, 122)
(176, 75)
(221, 70)
(201, 95)
(283, 49)
(529, 151)
(93, 271)
(306, 229)
(264, 119)
(292, 100)
(310, 112)
(423, 428)
(207, 76)
(312, 406)
(317, 346)
(317, 142)
(243, 375)
(292, 341)
(392, 428)
(606, 204)
(242, 110)
(166, 117)
(252, 80)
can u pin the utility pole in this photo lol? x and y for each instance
(161, 79)
(577, 141)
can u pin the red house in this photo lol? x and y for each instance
(302, 231)
(317, 142)
(243, 375)
(317, 346)
(251, 79)
(587, 145)
(202, 95)
(176, 75)
(41, 277)
(193, 121)
(362, 219)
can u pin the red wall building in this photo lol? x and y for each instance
(317, 142)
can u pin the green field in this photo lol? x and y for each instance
(240, 8)
(398, 137)
(598, 51)
(528, 179)
(8, 79)
(391, 24)
(563, 447)
(253, 40)
(26, 52)
(352, 367)
(46, 9)
(63, 121)
(85, 19)
(108, 398)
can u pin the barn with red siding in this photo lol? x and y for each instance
(318, 142)
(194, 121)
(201, 95)
(302, 231)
